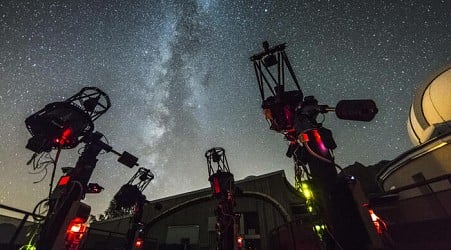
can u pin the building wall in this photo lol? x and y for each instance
(269, 197)
(199, 214)
(433, 206)
(430, 165)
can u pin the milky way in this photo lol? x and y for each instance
(180, 81)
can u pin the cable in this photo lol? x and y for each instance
(55, 162)
(315, 154)
(79, 149)
(45, 174)
(31, 243)
(230, 222)
(333, 238)
(80, 195)
(321, 157)
(38, 208)
(35, 228)
(39, 166)
(338, 166)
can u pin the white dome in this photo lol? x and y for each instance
(430, 113)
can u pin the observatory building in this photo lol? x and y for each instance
(418, 182)
(430, 112)
(429, 128)
(271, 210)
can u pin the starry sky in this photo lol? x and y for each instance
(180, 81)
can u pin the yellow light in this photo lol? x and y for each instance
(437, 146)
(28, 247)
(310, 209)
(319, 228)
(306, 191)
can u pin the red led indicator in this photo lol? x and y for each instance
(139, 243)
(239, 241)
(67, 133)
(303, 137)
(75, 232)
(64, 180)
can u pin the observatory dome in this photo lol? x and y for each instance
(430, 113)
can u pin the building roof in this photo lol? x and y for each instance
(249, 178)
(429, 147)
(430, 112)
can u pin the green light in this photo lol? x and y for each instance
(310, 209)
(305, 189)
(28, 247)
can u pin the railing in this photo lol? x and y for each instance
(12, 243)
(419, 184)
(393, 195)
(294, 235)
(99, 239)
(95, 239)
(103, 239)
(421, 221)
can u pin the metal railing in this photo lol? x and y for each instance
(420, 184)
(12, 243)
(105, 239)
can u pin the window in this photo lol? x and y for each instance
(251, 225)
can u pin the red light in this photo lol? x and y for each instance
(76, 225)
(216, 186)
(75, 228)
(64, 137)
(239, 241)
(64, 180)
(319, 141)
(378, 223)
(75, 232)
(303, 137)
(139, 243)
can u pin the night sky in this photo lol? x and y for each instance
(180, 81)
